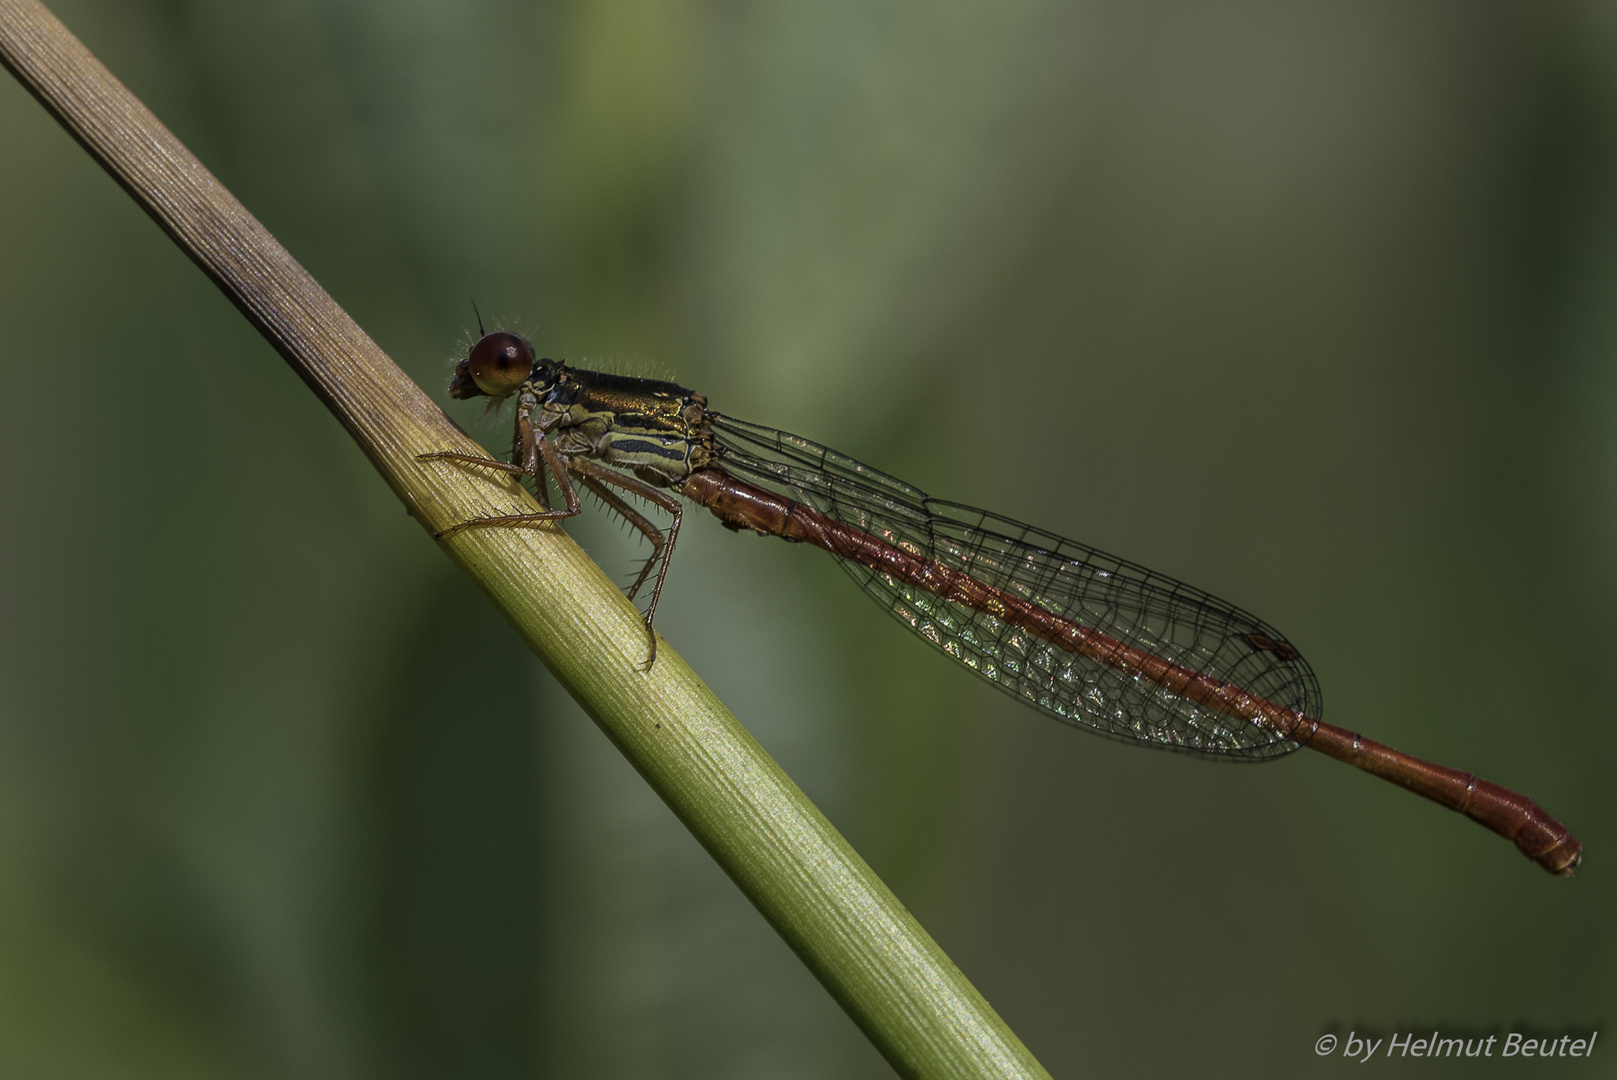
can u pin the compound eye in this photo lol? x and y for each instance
(499, 363)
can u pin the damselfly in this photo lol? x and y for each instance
(1090, 639)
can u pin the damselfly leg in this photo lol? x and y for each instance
(593, 475)
(594, 479)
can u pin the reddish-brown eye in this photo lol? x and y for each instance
(499, 362)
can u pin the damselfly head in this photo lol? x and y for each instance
(498, 364)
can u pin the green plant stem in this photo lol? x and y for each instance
(867, 950)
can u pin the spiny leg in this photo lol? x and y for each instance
(628, 513)
(541, 489)
(662, 571)
(535, 448)
(645, 491)
(661, 498)
(473, 459)
(519, 453)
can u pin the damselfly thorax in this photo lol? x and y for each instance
(655, 430)
(1092, 640)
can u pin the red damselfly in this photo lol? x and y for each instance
(1090, 639)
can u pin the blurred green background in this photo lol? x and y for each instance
(1309, 305)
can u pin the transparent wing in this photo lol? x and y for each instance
(1126, 601)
